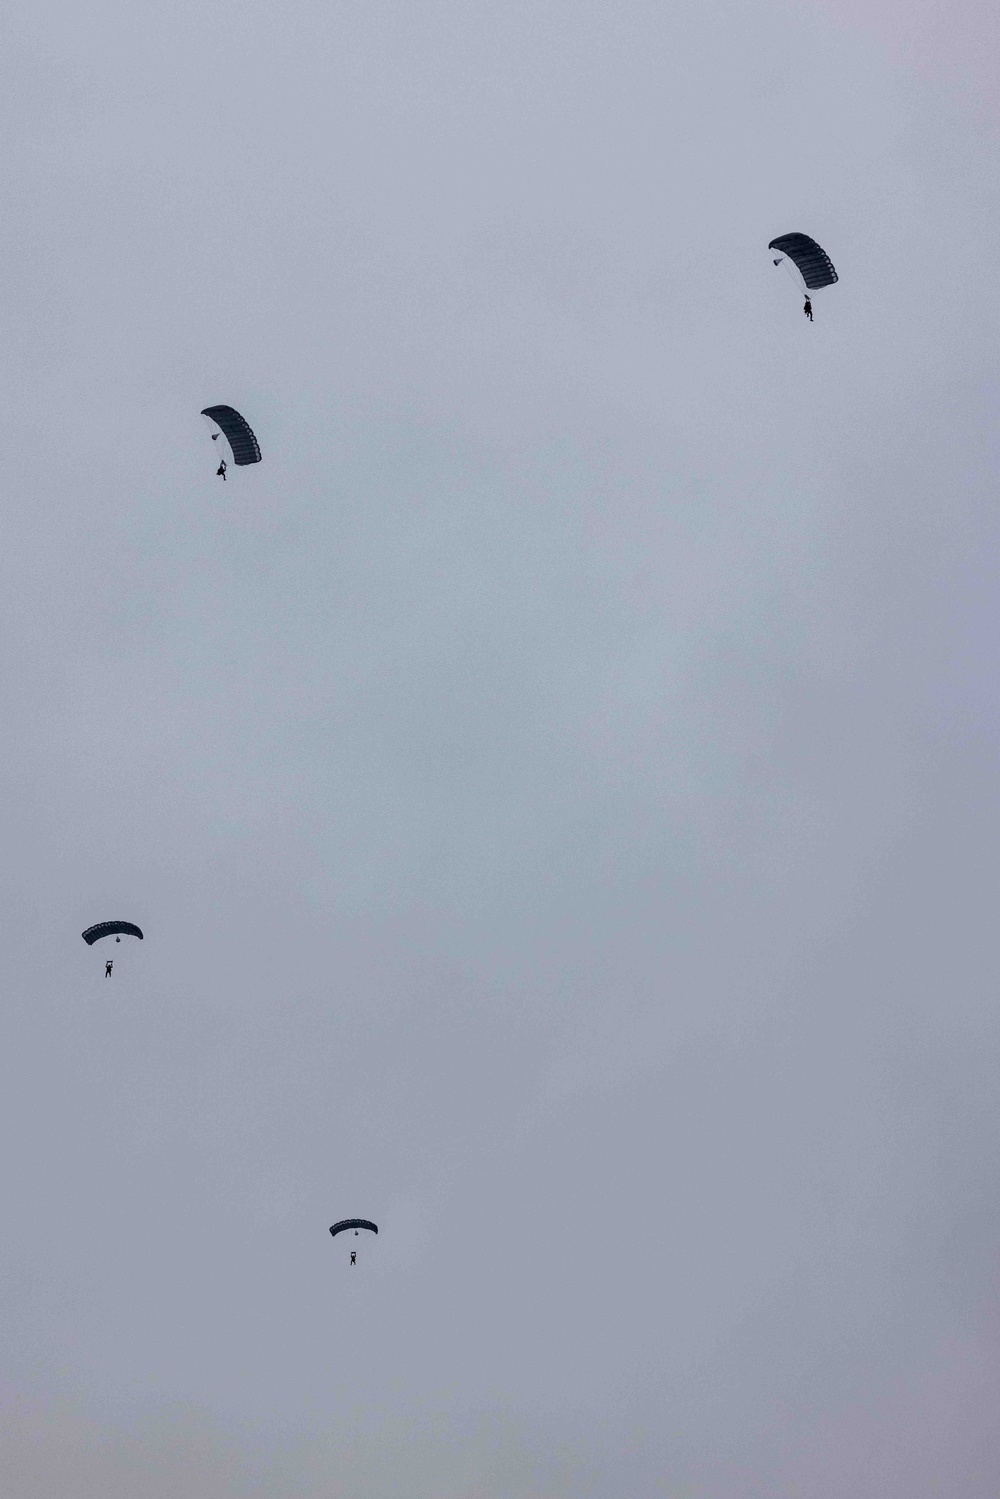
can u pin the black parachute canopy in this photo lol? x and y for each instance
(815, 265)
(108, 929)
(237, 432)
(338, 1228)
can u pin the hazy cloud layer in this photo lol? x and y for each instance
(558, 786)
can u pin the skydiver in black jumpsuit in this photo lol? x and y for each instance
(354, 1256)
(108, 967)
(808, 309)
(221, 470)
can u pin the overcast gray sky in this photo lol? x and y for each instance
(558, 785)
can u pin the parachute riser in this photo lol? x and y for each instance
(220, 448)
(795, 274)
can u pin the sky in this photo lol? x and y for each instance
(557, 785)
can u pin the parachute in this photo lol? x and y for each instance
(109, 929)
(355, 1223)
(810, 260)
(237, 432)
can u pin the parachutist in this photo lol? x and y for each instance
(812, 265)
(108, 967)
(221, 470)
(348, 1223)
